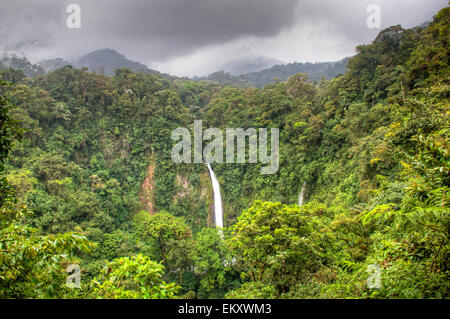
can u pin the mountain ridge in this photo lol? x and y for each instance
(106, 61)
(259, 79)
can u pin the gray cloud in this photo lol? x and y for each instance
(193, 32)
(348, 17)
(167, 28)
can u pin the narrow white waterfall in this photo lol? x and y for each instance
(218, 213)
(301, 195)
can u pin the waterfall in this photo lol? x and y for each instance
(301, 195)
(218, 213)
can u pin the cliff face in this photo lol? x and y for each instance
(146, 196)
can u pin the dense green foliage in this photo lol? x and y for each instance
(30, 263)
(94, 169)
(137, 277)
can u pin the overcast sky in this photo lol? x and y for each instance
(196, 37)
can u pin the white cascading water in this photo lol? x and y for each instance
(301, 195)
(218, 212)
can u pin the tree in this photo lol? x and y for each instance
(173, 239)
(166, 229)
(273, 242)
(135, 277)
(33, 265)
(213, 262)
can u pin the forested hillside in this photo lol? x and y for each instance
(87, 178)
(281, 72)
(103, 62)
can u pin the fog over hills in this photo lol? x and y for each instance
(257, 71)
(250, 64)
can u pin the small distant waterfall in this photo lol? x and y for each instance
(301, 196)
(218, 212)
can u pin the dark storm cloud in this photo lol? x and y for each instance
(165, 27)
(202, 21)
(179, 26)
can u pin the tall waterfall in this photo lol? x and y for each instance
(301, 195)
(218, 212)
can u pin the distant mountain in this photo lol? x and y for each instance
(224, 78)
(248, 65)
(106, 61)
(315, 72)
(53, 64)
(12, 60)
